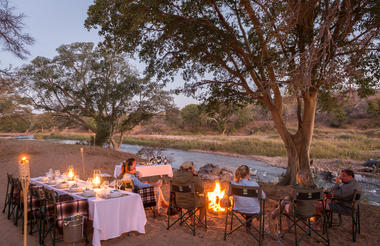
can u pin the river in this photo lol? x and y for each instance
(264, 172)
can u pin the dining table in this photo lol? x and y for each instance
(111, 216)
(148, 170)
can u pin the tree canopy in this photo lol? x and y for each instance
(85, 82)
(241, 50)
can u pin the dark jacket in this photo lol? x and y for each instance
(345, 191)
(188, 200)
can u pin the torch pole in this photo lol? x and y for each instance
(82, 154)
(25, 187)
(24, 176)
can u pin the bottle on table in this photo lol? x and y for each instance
(165, 161)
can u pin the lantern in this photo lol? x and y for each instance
(96, 178)
(70, 173)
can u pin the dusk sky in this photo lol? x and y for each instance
(55, 22)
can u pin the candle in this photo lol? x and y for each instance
(70, 173)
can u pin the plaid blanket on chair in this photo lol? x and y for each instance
(71, 208)
(148, 196)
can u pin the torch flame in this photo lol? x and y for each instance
(24, 158)
(215, 197)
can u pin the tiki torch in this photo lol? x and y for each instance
(24, 176)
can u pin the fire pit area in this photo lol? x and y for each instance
(216, 192)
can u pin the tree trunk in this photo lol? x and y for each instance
(297, 145)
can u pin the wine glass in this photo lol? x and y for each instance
(119, 183)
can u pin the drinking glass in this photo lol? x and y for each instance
(119, 183)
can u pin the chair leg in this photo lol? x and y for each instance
(193, 212)
(225, 225)
(358, 218)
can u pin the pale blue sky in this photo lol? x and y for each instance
(55, 22)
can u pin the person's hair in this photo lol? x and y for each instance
(349, 172)
(129, 164)
(302, 177)
(241, 172)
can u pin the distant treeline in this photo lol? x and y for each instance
(207, 119)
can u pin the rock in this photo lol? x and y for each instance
(372, 163)
(215, 172)
(326, 175)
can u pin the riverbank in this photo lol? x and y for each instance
(45, 155)
(330, 151)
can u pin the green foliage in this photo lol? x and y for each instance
(373, 110)
(338, 117)
(93, 86)
(191, 116)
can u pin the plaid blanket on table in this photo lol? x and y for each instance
(71, 208)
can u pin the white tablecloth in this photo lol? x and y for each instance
(147, 171)
(112, 217)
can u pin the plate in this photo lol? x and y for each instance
(115, 194)
(87, 194)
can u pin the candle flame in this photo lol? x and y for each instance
(24, 158)
(70, 174)
(96, 180)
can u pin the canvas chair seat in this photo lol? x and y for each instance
(302, 213)
(187, 211)
(353, 211)
(245, 219)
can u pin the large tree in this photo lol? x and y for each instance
(94, 87)
(243, 50)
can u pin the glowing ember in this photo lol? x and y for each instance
(215, 197)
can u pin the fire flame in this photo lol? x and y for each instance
(24, 159)
(215, 197)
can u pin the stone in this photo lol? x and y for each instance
(372, 163)
(215, 172)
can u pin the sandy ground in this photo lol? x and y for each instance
(45, 155)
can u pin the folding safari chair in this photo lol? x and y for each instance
(244, 219)
(148, 195)
(186, 213)
(301, 216)
(354, 213)
(9, 195)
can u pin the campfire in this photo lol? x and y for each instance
(215, 197)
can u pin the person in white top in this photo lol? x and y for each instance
(246, 205)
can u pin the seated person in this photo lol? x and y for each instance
(302, 206)
(185, 176)
(343, 190)
(128, 172)
(247, 205)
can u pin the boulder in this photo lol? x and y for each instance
(372, 163)
(215, 172)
